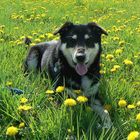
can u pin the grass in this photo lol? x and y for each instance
(46, 120)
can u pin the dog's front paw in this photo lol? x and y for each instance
(107, 123)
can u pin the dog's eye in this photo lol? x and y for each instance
(89, 41)
(74, 37)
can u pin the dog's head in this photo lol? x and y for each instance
(80, 44)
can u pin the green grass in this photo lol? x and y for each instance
(46, 120)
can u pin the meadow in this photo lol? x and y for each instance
(34, 115)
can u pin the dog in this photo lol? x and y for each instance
(73, 60)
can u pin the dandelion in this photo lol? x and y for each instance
(121, 43)
(49, 91)
(42, 36)
(70, 102)
(132, 106)
(60, 89)
(116, 66)
(21, 125)
(32, 44)
(113, 70)
(138, 103)
(82, 99)
(133, 135)
(118, 51)
(49, 35)
(138, 117)
(116, 38)
(128, 62)
(9, 83)
(12, 131)
(109, 57)
(122, 103)
(37, 40)
(102, 71)
(23, 100)
(24, 107)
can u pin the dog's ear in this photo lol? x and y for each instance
(95, 27)
(64, 28)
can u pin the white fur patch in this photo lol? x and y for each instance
(68, 54)
(86, 85)
(91, 53)
(74, 36)
(86, 36)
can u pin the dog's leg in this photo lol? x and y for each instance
(103, 113)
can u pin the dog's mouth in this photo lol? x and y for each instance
(81, 68)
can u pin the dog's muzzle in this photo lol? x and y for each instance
(80, 58)
(80, 55)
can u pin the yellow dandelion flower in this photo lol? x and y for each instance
(37, 40)
(122, 103)
(9, 83)
(82, 99)
(138, 103)
(116, 38)
(60, 89)
(102, 71)
(21, 125)
(131, 106)
(108, 107)
(128, 62)
(77, 91)
(134, 135)
(121, 43)
(12, 131)
(49, 35)
(24, 108)
(70, 102)
(49, 91)
(109, 57)
(118, 51)
(116, 66)
(42, 36)
(23, 100)
(138, 117)
(113, 70)
(32, 44)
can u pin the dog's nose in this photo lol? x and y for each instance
(80, 57)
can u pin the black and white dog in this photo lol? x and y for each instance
(73, 60)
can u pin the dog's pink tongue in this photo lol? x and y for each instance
(81, 69)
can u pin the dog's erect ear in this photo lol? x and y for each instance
(97, 28)
(64, 28)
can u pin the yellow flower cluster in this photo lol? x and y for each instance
(110, 57)
(24, 107)
(12, 131)
(70, 102)
(23, 100)
(82, 99)
(115, 68)
(128, 62)
(60, 89)
(138, 117)
(134, 135)
(50, 91)
(122, 103)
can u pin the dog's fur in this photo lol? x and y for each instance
(73, 60)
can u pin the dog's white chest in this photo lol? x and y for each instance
(86, 85)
